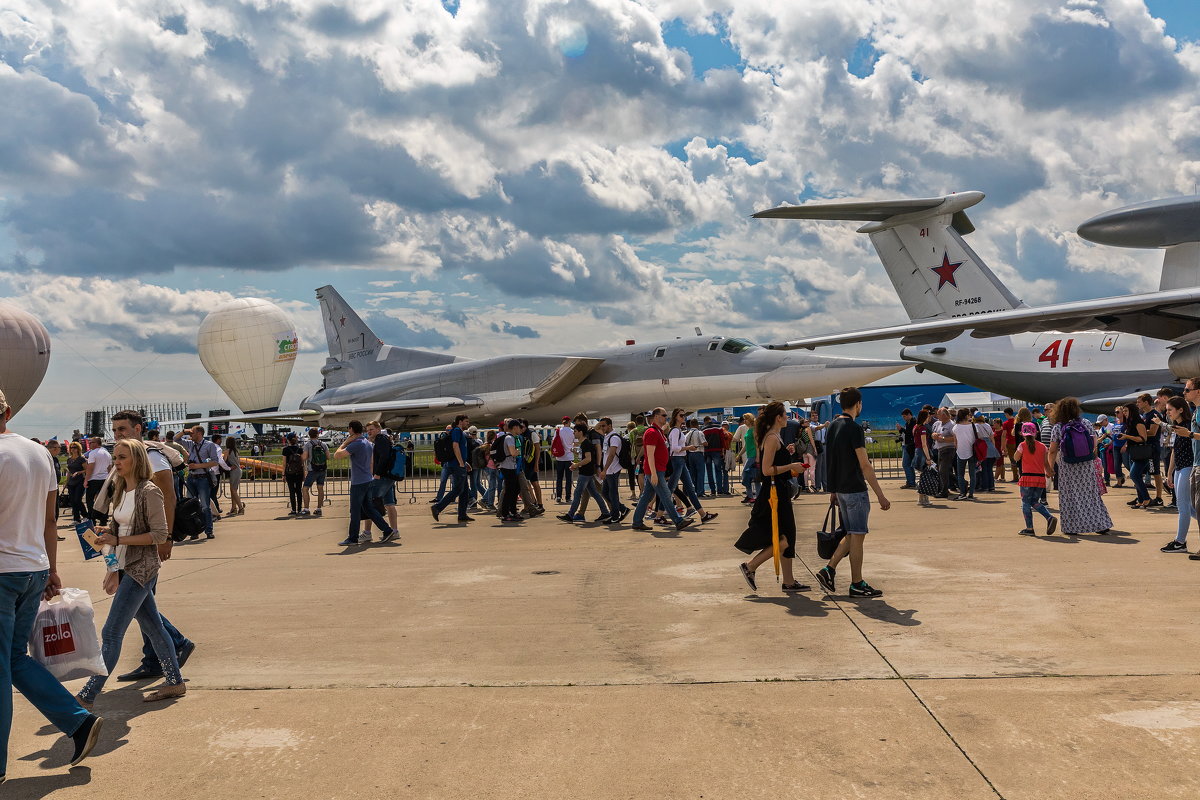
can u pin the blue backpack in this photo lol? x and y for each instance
(399, 463)
(1077, 443)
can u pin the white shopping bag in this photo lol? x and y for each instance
(64, 637)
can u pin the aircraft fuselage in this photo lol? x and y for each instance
(1044, 367)
(703, 371)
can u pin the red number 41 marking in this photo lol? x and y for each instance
(1051, 353)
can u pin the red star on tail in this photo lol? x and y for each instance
(945, 272)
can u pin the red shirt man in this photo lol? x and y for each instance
(654, 436)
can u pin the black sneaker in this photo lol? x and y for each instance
(1051, 526)
(827, 576)
(748, 577)
(1173, 547)
(85, 738)
(566, 518)
(624, 513)
(387, 537)
(348, 542)
(962, 497)
(466, 519)
(637, 526)
(1133, 502)
(434, 510)
(1156, 501)
(683, 523)
(864, 589)
(1027, 532)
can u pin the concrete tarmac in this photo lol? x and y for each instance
(549, 660)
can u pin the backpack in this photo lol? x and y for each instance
(498, 452)
(556, 447)
(319, 457)
(443, 448)
(294, 467)
(625, 453)
(398, 465)
(189, 519)
(1076, 443)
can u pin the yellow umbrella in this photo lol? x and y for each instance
(774, 501)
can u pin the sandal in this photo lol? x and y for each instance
(166, 692)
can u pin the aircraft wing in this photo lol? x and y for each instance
(308, 416)
(1171, 315)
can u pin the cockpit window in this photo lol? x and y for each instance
(737, 346)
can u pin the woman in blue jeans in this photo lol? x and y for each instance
(139, 525)
(1180, 473)
(1134, 435)
(678, 470)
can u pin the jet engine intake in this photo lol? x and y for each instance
(1184, 361)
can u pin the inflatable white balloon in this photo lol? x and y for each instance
(24, 355)
(249, 346)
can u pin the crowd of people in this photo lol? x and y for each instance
(666, 464)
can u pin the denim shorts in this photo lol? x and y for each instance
(384, 489)
(315, 476)
(855, 508)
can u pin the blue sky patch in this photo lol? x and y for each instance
(1182, 17)
(863, 58)
(708, 50)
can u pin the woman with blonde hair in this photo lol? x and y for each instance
(76, 469)
(139, 525)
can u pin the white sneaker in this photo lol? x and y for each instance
(364, 538)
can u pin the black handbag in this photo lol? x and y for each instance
(930, 483)
(64, 498)
(831, 533)
(1138, 451)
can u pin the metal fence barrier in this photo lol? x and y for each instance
(424, 476)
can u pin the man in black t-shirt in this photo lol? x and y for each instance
(848, 473)
(1153, 421)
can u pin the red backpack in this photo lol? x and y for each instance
(556, 447)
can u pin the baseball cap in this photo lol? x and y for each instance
(1028, 429)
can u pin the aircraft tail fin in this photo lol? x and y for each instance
(356, 353)
(920, 242)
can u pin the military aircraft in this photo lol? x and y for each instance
(966, 325)
(413, 389)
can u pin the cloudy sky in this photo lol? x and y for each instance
(540, 175)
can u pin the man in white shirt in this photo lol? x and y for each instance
(28, 573)
(611, 469)
(99, 460)
(944, 443)
(564, 436)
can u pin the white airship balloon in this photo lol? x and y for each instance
(249, 346)
(24, 355)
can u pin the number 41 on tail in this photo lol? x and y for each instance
(1051, 353)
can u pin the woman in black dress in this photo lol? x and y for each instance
(776, 464)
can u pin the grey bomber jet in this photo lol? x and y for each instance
(413, 389)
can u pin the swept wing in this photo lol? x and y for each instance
(1170, 315)
(314, 413)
